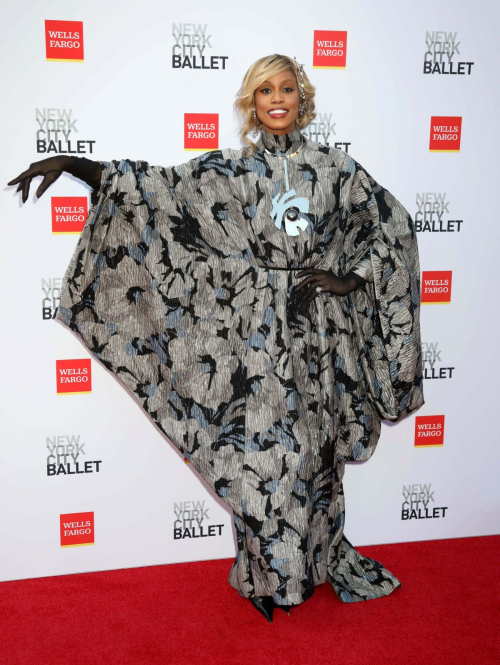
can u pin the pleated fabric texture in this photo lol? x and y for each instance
(180, 284)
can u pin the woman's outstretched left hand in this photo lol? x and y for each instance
(328, 281)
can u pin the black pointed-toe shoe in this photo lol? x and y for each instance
(265, 605)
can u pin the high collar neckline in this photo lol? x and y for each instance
(281, 143)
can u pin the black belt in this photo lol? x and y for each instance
(272, 268)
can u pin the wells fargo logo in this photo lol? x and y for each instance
(429, 431)
(330, 49)
(445, 133)
(201, 131)
(436, 287)
(64, 41)
(68, 214)
(77, 529)
(73, 377)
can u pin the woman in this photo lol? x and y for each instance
(263, 306)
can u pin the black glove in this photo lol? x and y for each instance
(52, 167)
(328, 281)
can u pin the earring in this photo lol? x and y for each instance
(255, 133)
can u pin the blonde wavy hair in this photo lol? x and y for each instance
(256, 74)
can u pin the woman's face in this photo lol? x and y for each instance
(277, 102)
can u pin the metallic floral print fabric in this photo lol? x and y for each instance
(181, 285)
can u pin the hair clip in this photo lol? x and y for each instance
(304, 103)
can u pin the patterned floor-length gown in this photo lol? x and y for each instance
(181, 285)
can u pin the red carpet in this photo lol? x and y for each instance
(447, 611)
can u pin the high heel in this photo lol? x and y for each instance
(265, 605)
(286, 608)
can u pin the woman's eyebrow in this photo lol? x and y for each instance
(280, 83)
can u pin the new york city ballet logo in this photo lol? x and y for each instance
(433, 367)
(442, 54)
(418, 503)
(446, 131)
(432, 214)
(190, 48)
(436, 287)
(77, 529)
(429, 431)
(191, 521)
(64, 41)
(68, 214)
(56, 133)
(74, 377)
(64, 457)
(51, 299)
(330, 49)
(323, 131)
(201, 131)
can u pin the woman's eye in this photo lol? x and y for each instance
(266, 90)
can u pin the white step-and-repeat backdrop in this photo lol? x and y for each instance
(409, 90)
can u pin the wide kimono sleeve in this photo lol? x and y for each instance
(380, 245)
(137, 268)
